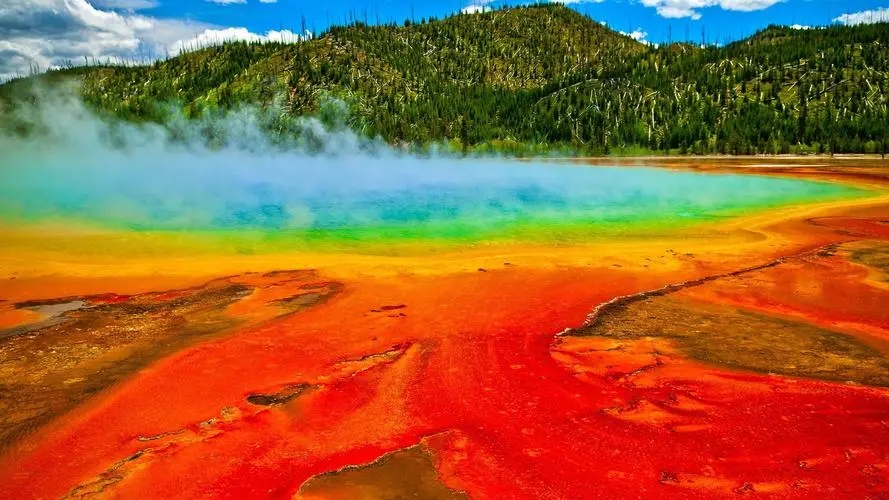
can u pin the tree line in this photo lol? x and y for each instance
(536, 78)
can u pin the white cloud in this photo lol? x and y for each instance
(637, 35)
(689, 8)
(268, 1)
(477, 7)
(864, 17)
(54, 33)
(227, 2)
(211, 37)
(126, 4)
(747, 5)
(800, 27)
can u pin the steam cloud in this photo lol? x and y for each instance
(252, 169)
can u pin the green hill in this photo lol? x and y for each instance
(536, 77)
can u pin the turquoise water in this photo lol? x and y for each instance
(367, 198)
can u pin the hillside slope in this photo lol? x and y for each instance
(542, 75)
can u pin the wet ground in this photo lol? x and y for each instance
(74, 347)
(751, 358)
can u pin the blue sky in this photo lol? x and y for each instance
(50, 33)
(739, 18)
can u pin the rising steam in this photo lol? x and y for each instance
(260, 169)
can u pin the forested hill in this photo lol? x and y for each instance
(540, 75)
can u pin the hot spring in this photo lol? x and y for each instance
(288, 201)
